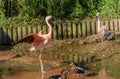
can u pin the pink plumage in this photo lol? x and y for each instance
(39, 41)
(102, 29)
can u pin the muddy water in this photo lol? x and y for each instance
(32, 75)
(37, 75)
(24, 75)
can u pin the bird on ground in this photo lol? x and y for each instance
(102, 29)
(79, 69)
(39, 41)
(63, 75)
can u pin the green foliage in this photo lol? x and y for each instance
(32, 8)
(59, 8)
(90, 7)
(110, 8)
(77, 11)
(25, 11)
(2, 15)
(10, 7)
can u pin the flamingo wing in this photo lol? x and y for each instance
(32, 38)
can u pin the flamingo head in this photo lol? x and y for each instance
(98, 14)
(49, 17)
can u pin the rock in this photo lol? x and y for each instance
(111, 36)
(82, 42)
(94, 39)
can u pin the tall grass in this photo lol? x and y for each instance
(77, 10)
(25, 11)
(59, 8)
(32, 8)
(110, 8)
(2, 10)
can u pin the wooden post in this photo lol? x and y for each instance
(10, 40)
(38, 28)
(56, 31)
(4, 33)
(29, 30)
(19, 33)
(15, 34)
(77, 30)
(71, 29)
(1, 36)
(93, 28)
(74, 30)
(59, 31)
(34, 30)
(80, 29)
(66, 31)
(23, 31)
(88, 28)
(84, 29)
(111, 25)
(116, 25)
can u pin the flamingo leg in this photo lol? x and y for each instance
(102, 49)
(41, 64)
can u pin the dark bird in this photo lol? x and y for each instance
(63, 75)
(79, 69)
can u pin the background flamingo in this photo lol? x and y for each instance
(39, 41)
(102, 29)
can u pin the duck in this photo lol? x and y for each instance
(78, 69)
(63, 75)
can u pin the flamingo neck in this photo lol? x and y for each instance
(50, 28)
(98, 22)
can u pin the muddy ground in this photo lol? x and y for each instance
(19, 63)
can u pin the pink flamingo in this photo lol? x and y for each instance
(39, 41)
(101, 28)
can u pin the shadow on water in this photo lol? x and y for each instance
(6, 41)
